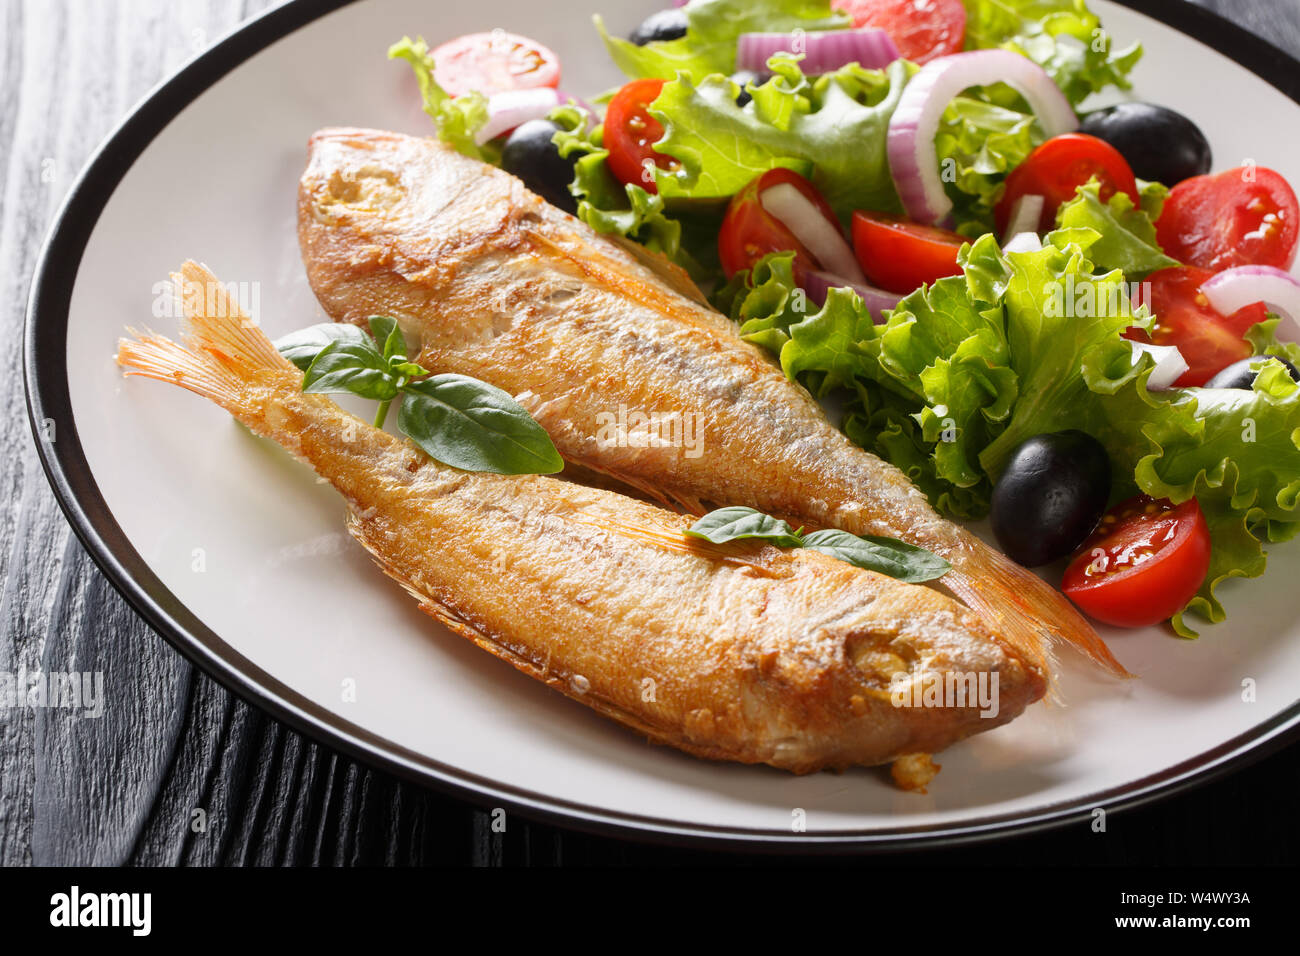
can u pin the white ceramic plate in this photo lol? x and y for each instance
(237, 556)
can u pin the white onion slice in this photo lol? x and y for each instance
(1170, 364)
(877, 301)
(513, 108)
(1025, 213)
(1023, 242)
(912, 159)
(825, 241)
(1236, 288)
(869, 47)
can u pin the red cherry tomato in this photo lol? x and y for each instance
(493, 63)
(1060, 166)
(922, 30)
(1208, 341)
(631, 132)
(749, 232)
(901, 256)
(1142, 565)
(1245, 216)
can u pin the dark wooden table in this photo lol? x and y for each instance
(126, 788)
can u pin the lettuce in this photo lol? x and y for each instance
(1021, 344)
(1062, 36)
(1125, 233)
(712, 29)
(457, 118)
(832, 128)
(604, 203)
(978, 143)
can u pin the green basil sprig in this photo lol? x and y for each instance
(898, 559)
(455, 419)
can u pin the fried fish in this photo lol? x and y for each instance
(742, 652)
(498, 284)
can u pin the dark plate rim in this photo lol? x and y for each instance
(45, 380)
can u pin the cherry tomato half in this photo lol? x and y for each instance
(1060, 166)
(493, 63)
(631, 132)
(901, 256)
(1146, 560)
(749, 232)
(923, 30)
(1245, 216)
(1207, 340)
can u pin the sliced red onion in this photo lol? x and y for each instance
(1025, 213)
(1170, 364)
(1236, 288)
(877, 301)
(912, 159)
(825, 241)
(1023, 242)
(823, 52)
(513, 108)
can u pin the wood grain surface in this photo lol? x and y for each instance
(178, 771)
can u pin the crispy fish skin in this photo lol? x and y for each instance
(742, 652)
(500, 285)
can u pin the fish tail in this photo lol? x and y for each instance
(1031, 614)
(223, 352)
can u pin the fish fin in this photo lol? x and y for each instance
(1027, 611)
(673, 275)
(223, 349)
(623, 482)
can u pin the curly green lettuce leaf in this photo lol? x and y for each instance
(456, 118)
(712, 29)
(765, 301)
(604, 203)
(978, 144)
(1062, 36)
(832, 128)
(1125, 233)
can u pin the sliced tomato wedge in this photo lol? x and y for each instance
(1146, 560)
(1060, 166)
(1207, 340)
(493, 63)
(923, 30)
(631, 132)
(1245, 216)
(901, 256)
(749, 232)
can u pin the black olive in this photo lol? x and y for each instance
(740, 78)
(1159, 144)
(530, 155)
(1241, 375)
(1051, 496)
(664, 25)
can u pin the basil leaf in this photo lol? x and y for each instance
(302, 347)
(408, 370)
(734, 524)
(898, 559)
(474, 426)
(388, 336)
(351, 367)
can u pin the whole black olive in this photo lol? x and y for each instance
(1050, 497)
(1159, 144)
(664, 25)
(1241, 375)
(530, 155)
(740, 78)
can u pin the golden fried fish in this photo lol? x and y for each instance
(741, 652)
(500, 285)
